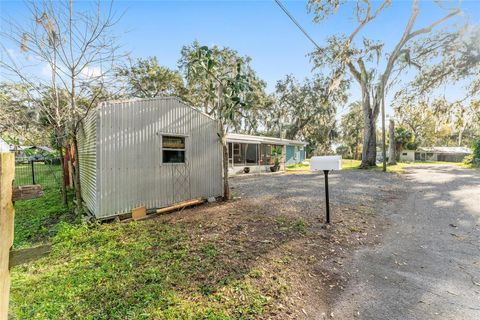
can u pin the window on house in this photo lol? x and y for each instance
(251, 154)
(404, 154)
(173, 149)
(266, 154)
(239, 154)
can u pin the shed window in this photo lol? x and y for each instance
(404, 154)
(173, 149)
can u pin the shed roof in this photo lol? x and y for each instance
(45, 148)
(104, 103)
(42, 148)
(245, 138)
(462, 150)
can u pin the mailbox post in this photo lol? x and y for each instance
(327, 198)
(326, 164)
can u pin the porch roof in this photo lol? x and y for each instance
(461, 150)
(245, 138)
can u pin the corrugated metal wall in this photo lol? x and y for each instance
(130, 172)
(87, 147)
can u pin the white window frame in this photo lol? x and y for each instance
(167, 134)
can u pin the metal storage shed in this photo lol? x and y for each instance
(148, 152)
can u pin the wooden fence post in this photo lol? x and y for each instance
(7, 173)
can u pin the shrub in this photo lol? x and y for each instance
(476, 153)
(468, 159)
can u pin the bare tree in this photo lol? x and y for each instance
(80, 51)
(345, 58)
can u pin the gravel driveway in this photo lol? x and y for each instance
(321, 257)
(305, 190)
(428, 265)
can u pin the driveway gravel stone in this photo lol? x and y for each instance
(428, 264)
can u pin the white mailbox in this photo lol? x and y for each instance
(326, 163)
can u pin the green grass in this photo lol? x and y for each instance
(139, 270)
(146, 270)
(456, 164)
(297, 225)
(298, 167)
(349, 164)
(36, 219)
(45, 174)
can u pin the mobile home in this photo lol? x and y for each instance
(255, 152)
(449, 154)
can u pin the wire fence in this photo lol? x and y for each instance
(47, 173)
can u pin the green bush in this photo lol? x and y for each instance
(476, 153)
(468, 159)
(476, 149)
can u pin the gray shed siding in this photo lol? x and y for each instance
(129, 170)
(87, 144)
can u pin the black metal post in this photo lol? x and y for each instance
(327, 200)
(33, 173)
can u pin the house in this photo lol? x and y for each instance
(255, 152)
(4, 147)
(449, 154)
(407, 155)
(24, 154)
(148, 152)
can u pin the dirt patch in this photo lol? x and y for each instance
(273, 233)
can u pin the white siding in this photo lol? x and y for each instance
(407, 155)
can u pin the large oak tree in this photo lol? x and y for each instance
(365, 61)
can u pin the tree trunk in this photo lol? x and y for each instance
(76, 175)
(391, 145)
(64, 186)
(223, 139)
(226, 187)
(369, 152)
(205, 106)
(460, 137)
(59, 143)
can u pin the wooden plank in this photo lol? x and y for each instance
(177, 206)
(139, 213)
(7, 172)
(180, 205)
(27, 192)
(26, 255)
